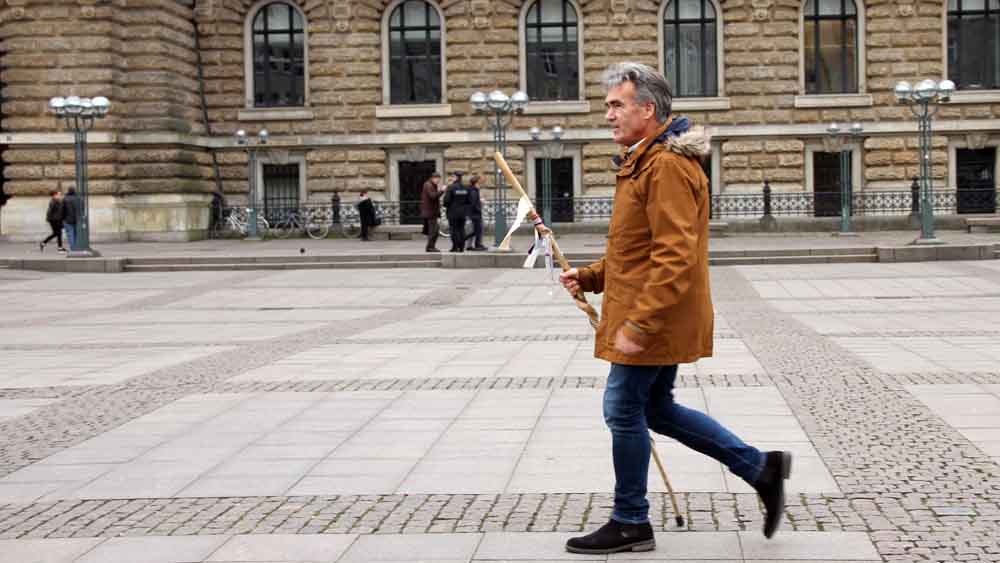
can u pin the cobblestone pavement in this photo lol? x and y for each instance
(429, 412)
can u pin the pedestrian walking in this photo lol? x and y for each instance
(54, 217)
(456, 202)
(657, 310)
(475, 215)
(71, 215)
(366, 214)
(430, 209)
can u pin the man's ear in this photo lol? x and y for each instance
(648, 110)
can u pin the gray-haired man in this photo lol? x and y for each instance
(657, 311)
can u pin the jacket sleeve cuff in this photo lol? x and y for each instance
(588, 281)
(637, 335)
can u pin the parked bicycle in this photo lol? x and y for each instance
(313, 222)
(237, 222)
(350, 227)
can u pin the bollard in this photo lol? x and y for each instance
(768, 222)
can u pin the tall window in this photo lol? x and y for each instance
(831, 46)
(414, 54)
(690, 57)
(974, 43)
(278, 56)
(553, 62)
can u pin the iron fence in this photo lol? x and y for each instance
(599, 208)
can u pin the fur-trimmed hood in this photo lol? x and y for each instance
(694, 143)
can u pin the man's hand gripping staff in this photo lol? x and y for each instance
(542, 230)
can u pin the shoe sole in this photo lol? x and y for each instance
(645, 545)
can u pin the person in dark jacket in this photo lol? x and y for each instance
(475, 215)
(430, 209)
(71, 214)
(456, 201)
(54, 217)
(366, 212)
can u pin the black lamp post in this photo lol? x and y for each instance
(252, 147)
(551, 151)
(838, 139)
(80, 115)
(499, 110)
(924, 101)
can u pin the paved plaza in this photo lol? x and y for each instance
(455, 416)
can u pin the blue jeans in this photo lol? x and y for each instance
(70, 235)
(641, 398)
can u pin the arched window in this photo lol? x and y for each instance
(278, 39)
(414, 54)
(830, 46)
(551, 38)
(974, 43)
(690, 36)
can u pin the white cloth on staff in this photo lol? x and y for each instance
(523, 207)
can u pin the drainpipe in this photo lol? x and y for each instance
(201, 94)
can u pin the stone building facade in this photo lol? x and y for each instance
(182, 80)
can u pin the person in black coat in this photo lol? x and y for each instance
(54, 217)
(475, 215)
(71, 214)
(366, 212)
(457, 201)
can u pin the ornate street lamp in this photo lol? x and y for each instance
(551, 151)
(80, 115)
(924, 101)
(252, 147)
(499, 110)
(838, 139)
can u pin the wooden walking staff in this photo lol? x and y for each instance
(579, 299)
(581, 303)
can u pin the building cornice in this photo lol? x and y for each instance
(387, 140)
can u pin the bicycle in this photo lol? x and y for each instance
(311, 221)
(237, 222)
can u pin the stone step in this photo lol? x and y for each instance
(289, 259)
(802, 259)
(240, 266)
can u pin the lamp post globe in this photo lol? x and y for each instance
(927, 89)
(945, 89)
(478, 101)
(903, 91)
(498, 100)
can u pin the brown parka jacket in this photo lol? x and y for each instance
(654, 274)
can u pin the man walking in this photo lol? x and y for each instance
(430, 209)
(71, 214)
(475, 214)
(657, 309)
(54, 217)
(456, 201)
(366, 214)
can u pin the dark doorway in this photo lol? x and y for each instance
(281, 191)
(412, 175)
(977, 186)
(826, 183)
(562, 188)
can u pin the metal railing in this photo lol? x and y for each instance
(731, 205)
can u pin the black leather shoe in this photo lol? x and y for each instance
(614, 537)
(770, 486)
